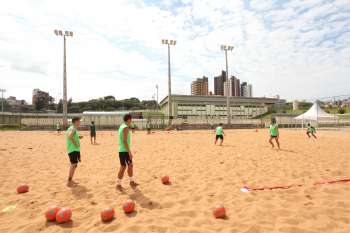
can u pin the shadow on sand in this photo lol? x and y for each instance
(142, 200)
(81, 192)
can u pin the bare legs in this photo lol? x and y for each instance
(277, 142)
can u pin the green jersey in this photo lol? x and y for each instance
(219, 130)
(58, 126)
(274, 130)
(93, 128)
(311, 129)
(121, 138)
(70, 146)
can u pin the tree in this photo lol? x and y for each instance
(341, 111)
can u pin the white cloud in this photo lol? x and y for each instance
(290, 48)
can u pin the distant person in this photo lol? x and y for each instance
(93, 132)
(58, 128)
(125, 155)
(310, 130)
(219, 134)
(148, 127)
(133, 127)
(73, 148)
(274, 133)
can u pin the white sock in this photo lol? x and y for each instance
(131, 179)
(119, 181)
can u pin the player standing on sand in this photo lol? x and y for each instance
(310, 130)
(274, 133)
(73, 149)
(125, 155)
(58, 128)
(219, 134)
(93, 132)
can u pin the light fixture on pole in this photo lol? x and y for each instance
(227, 48)
(157, 94)
(168, 43)
(64, 34)
(2, 99)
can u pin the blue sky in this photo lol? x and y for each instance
(297, 49)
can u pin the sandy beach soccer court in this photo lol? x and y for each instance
(202, 176)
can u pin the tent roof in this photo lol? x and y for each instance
(314, 113)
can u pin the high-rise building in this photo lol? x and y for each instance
(247, 90)
(237, 87)
(219, 84)
(243, 85)
(200, 86)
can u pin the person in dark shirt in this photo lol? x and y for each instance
(93, 132)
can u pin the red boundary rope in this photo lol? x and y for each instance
(261, 188)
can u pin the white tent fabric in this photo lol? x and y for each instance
(314, 113)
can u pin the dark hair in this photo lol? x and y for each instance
(220, 124)
(75, 119)
(273, 120)
(308, 124)
(92, 122)
(127, 117)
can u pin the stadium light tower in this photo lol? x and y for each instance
(168, 43)
(64, 34)
(2, 99)
(227, 48)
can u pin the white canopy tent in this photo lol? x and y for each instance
(314, 114)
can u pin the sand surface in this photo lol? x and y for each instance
(202, 176)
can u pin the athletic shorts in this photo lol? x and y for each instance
(124, 158)
(273, 136)
(74, 157)
(92, 134)
(219, 136)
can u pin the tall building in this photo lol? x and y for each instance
(247, 90)
(219, 84)
(243, 85)
(42, 98)
(228, 86)
(200, 86)
(237, 87)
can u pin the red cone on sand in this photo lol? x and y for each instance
(51, 213)
(219, 211)
(63, 215)
(23, 188)
(107, 214)
(129, 206)
(165, 179)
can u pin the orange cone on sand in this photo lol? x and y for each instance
(129, 206)
(63, 215)
(165, 179)
(23, 188)
(107, 214)
(51, 213)
(219, 211)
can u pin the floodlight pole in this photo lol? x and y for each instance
(168, 43)
(157, 95)
(228, 92)
(2, 99)
(225, 48)
(65, 111)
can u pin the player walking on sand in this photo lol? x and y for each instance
(274, 133)
(125, 155)
(219, 134)
(73, 149)
(310, 130)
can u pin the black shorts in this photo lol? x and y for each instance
(74, 157)
(125, 158)
(93, 134)
(219, 136)
(273, 136)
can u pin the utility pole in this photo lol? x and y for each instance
(168, 43)
(227, 48)
(2, 99)
(157, 95)
(65, 112)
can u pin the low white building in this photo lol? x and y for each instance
(187, 106)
